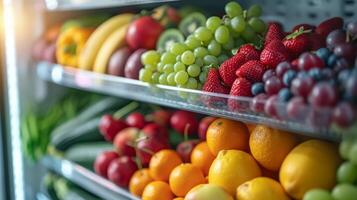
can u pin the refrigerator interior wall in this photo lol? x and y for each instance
(26, 20)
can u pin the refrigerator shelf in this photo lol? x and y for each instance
(94, 4)
(87, 179)
(316, 123)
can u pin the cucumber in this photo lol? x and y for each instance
(66, 190)
(85, 154)
(85, 132)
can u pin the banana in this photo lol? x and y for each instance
(113, 42)
(95, 41)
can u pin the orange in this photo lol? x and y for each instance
(185, 177)
(250, 127)
(225, 134)
(202, 157)
(232, 168)
(179, 198)
(157, 190)
(138, 181)
(270, 146)
(162, 163)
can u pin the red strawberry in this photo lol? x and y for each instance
(305, 26)
(298, 42)
(213, 83)
(317, 41)
(274, 53)
(241, 87)
(249, 51)
(275, 32)
(229, 67)
(252, 70)
(325, 27)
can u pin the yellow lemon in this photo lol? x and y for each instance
(311, 164)
(231, 168)
(261, 188)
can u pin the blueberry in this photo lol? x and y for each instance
(343, 76)
(327, 73)
(331, 61)
(257, 88)
(284, 95)
(302, 74)
(323, 53)
(316, 74)
(288, 77)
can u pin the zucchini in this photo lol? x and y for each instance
(66, 190)
(84, 132)
(99, 108)
(85, 154)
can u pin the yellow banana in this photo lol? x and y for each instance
(95, 41)
(112, 43)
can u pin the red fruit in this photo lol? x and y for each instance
(203, 126)
(184, 149)
(156, 131)
(213, 83)
(317, 41)
(102, 162)
(162, 117)
(275, 32)
(323, 95)
(228, 67)
(273, 85)
(143, 33)
(120, 170)
(182, 119)
(249, 51)
(267, 74)
(309, 60)
(149, 146)
(252, 70)
(302, 86)
(305, 26)
(271, 106)
(241, 87)
(274, 53)
(258, 102)
(136, 120)
(344, 114)
(281, 68)
(296, 108)
(329, 25)
(110, 127)
(297, 42)
(125, 140)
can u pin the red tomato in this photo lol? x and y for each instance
(143, 33)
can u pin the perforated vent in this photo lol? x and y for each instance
(292, 12)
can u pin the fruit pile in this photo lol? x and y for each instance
(231, 160)
(185, 63)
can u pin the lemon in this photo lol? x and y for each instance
(207, 192)
(231, 168)
(261, 188)
(311, 164)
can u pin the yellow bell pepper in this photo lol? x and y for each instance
(70, 44)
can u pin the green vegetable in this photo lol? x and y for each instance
(66, 190)
(85, 154)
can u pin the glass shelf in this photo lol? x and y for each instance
(95, 4)
(314, 123)
(87, 179)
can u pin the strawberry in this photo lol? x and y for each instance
(252, 70)
(317, 41)
(274, 53)
(298, 41)
(213, 83)
(249, 51)
(241, 87)
(228, 67)
(325, 27)
(275, 32)
(305, 26)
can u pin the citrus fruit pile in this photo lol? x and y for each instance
(234, 162)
